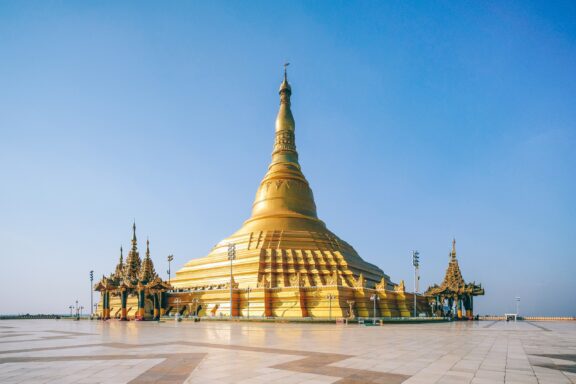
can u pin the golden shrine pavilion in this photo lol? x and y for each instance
(133, 290)
(454, 291)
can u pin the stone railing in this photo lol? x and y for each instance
(548, 318)
(29, 317)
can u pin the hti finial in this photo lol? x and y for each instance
(285, 89)
(134, 235)
(453, 253)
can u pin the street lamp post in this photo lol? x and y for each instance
(416, 264)
(170, 258)
(374, 298)
(91, 293)
(77, 311)
(517, 306)
(71, 309)
(177, 301)
(231, 257)
(330, 297)
(248, 306)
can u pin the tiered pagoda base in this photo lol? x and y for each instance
(292, 302)
(286, 302)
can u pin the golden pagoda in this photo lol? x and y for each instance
(285, 262)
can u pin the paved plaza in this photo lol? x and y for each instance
(65, 351)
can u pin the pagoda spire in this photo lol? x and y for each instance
(120, 266)
(284, 194)
(147, 272)
(134, 241)
(285, 143)
(133, 262)
(453, 277)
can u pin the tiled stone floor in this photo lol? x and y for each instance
(64, 351)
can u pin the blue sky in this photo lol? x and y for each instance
(416, 122)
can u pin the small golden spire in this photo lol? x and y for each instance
(147, 272)
(134, 241)
(453, 253)
(120, 266)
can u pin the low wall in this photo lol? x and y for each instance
(29, 317)
(532, 318)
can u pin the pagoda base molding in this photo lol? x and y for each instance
(295, 302)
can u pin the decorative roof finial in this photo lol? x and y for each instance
(120, 266)
(285, 89)
(286, 64)
(453, 253)
(134, 235)
(147, 272)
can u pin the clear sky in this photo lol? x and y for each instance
(416, 122)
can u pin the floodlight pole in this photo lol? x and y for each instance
(330, 297)
(416, 264)
(170, 258)
(374, 298)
